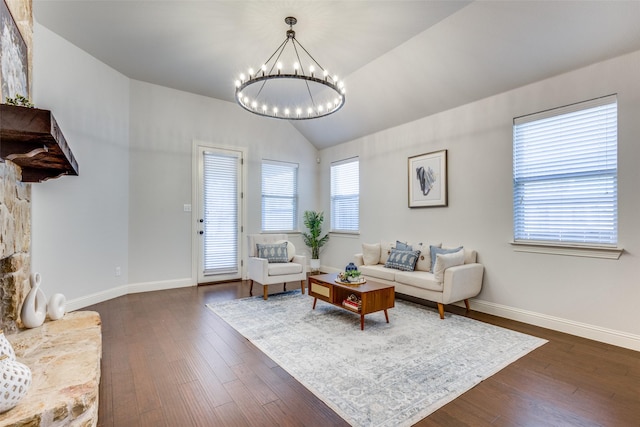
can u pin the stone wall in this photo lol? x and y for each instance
(21, 10)
(15, 244)
(15, 205)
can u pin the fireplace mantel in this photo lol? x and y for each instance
(31, 138)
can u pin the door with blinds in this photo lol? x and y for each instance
(219, 210)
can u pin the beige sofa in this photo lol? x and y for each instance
(454, 277)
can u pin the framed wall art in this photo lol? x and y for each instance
(14, 67)
(428, 180)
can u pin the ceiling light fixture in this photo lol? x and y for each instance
(300, 95)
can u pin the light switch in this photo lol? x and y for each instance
(187, 208)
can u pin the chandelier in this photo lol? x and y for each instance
(304, 91)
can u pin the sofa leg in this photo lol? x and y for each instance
(285, 287)
(250, 287)
(466, 303)
(265, 289)
(441, 310)
(302, 286)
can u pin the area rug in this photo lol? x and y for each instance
(390, 374)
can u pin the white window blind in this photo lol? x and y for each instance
(565, 174)
(220, 182)
(345, 195)
(279, 196)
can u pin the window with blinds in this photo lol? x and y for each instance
(565, 175)
(345, 195)
(279, 196)
(221, 200)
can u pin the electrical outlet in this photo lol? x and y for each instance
(118, 272)
(187, 208)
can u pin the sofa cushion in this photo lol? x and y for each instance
(403, 246)
(378, 272)
(470, 257)
(273, 252)
(419, 279)
(424, 260)
(385, 250)
(291, 249)
(371, 253)
(402, 260)
(435, 251)
(444, 261)
(282, 268)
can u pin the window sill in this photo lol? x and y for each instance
(345, 233)
(605, 252)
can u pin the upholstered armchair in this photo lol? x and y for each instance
(273, 259)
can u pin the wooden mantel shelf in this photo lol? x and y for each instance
(31, 139)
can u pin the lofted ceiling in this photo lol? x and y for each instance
(400, 60)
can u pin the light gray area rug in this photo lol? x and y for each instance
(391, 374)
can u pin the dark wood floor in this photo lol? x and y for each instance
(169, 361)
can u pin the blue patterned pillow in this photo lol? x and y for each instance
(275, 252)
(402, 246)
(436, 250)
(402, 260)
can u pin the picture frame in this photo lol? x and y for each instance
(427, 176)
(14, 72)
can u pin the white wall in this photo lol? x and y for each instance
(80, 223)
(133, 142)
(595, 298)
(164, 124)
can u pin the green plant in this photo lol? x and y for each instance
(19, 100)
(352, 273)
(313, 221)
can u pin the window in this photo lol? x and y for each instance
(279, 196)
(565, 175)
(345, 195)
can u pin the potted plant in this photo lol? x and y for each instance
(313, 222)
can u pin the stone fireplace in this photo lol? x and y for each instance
(15, 244)
(63, 355)
(15, 203)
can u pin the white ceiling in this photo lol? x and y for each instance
(400, 60)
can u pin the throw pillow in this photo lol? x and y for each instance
(274, 252)
(444, 261)
(435, 251)
(385, 250)
(371, 253)
(402, 260)
(291, 249)
(403, 246)
(424, 260)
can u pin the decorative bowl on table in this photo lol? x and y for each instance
(351, 275)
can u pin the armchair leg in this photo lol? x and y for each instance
(265, 290)
(466, 303)
(251, 287)
(285, 286)
(302, 286)
(441, 310)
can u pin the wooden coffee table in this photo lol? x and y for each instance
(374, 296)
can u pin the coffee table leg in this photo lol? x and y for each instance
(314, 303)
(362, 322)
(386, 315)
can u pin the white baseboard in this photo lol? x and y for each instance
(98, 297)
(584, 330)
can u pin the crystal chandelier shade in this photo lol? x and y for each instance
(300, 90)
